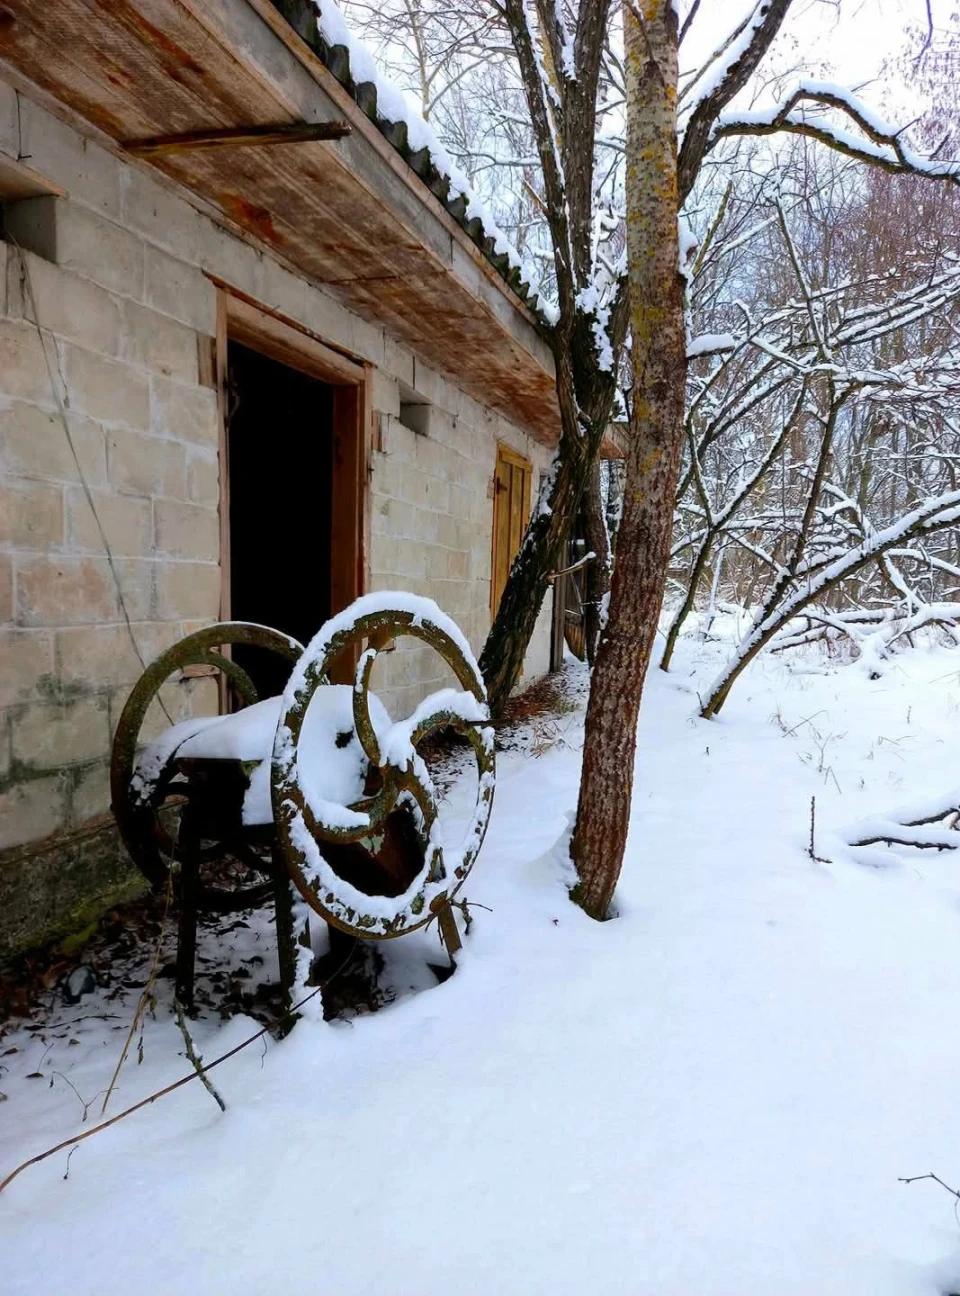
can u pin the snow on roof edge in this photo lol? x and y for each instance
(322, 26)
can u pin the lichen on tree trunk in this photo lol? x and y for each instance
(655, 437)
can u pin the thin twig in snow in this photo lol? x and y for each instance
(196, 1061)
(152, 1098)
(145, 995)
(811, 849)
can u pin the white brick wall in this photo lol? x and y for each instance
(122, 293)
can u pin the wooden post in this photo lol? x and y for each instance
(283, 916)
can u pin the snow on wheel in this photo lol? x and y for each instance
(316, 833)
(146, 791)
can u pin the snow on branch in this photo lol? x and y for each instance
(711, 74)
(932, 825)
(710, 344)
(931, 516)
(879, 143)
(872, 631)
(728, 71)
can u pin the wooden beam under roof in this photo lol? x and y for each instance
(237, 137)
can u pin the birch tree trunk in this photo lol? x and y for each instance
(656, 432)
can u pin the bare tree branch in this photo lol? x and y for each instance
(688, 21)
(765, 22)
(536, 90)
(882, 146)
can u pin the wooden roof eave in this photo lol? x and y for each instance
(233, 23)
(353, 217)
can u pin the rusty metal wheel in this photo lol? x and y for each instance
(143, 799)
(303, 824)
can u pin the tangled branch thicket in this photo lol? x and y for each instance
(821, 412)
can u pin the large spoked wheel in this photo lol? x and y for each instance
(144, 802)
(303, 826)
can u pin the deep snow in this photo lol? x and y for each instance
(715, 1093)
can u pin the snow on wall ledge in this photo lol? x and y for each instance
(322, 26)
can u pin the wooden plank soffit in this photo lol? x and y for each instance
(294, 42)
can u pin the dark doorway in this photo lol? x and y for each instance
(280, 447)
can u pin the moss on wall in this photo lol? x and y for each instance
(53, 889)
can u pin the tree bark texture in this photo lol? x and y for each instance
(656, 433)
(593, 531)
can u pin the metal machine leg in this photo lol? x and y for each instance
(189, 844)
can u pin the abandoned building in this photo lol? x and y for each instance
(239, 378)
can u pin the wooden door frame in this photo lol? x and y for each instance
(240, 319)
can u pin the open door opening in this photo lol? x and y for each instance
(280, 452)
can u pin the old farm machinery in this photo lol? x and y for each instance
(315, 799)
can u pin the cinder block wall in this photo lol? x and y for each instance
(145, 434)
(119, 285)
(432, 527)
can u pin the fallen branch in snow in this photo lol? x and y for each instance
(914, 827)
(145, 996)
(871, 631)
(899, 835)
(811, 849)
(152, 1098)
(465, 906)
(198, 1073)
(782, 607)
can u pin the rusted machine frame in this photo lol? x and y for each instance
(157, 854)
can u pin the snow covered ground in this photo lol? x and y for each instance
(714, 1093)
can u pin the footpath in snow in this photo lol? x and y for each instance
(714, 1094)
